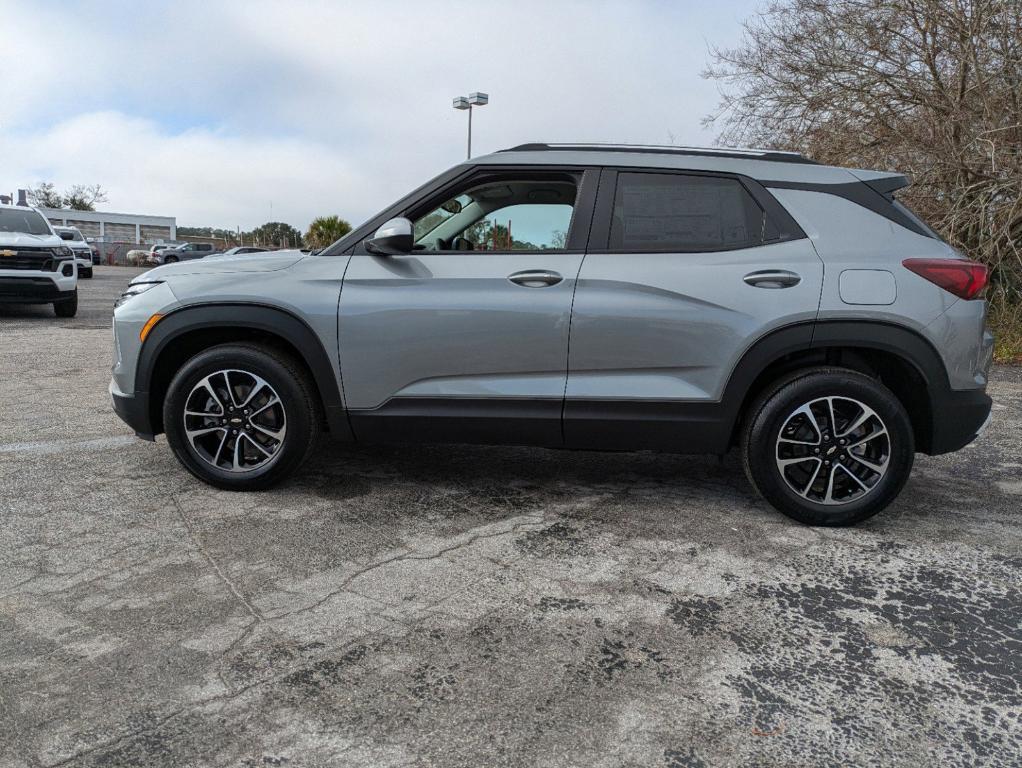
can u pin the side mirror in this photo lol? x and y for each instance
(67, 235)
(393, 238)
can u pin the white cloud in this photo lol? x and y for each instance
(209, 111)
(197, 175)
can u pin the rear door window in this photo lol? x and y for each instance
(677, 212)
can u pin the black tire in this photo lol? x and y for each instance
(86, 273)
(298, 399)
(170, 260)
(775, 409)
(67, 307)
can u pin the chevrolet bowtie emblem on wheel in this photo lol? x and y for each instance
(8, 253)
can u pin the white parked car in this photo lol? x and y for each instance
(36, 266)
(241, 250)
(74, 240)
(141, 256)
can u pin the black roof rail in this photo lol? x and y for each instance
(771, 155)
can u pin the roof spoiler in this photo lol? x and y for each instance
(880, 181)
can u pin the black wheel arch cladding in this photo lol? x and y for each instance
(960, 412)
(272, 322)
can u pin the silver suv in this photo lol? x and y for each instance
(584, 296)
(185, 252)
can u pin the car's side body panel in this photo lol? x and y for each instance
(453, 325)
(850, 238)
(671, 326)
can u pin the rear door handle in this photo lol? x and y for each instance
(772, 278)
(535, 278)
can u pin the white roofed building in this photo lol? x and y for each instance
(107, 227)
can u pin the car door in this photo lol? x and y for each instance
(685, 272)
(466, 337)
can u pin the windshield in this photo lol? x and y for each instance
(27, 222)
(438, 216)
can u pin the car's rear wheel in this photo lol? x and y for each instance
(170, 260)
(828, 446)
(67, 307)
(241, 417)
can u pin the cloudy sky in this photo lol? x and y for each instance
(235, 113)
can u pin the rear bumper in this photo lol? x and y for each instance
(133, 410)
(958, 418)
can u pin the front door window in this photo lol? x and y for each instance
(506, 214)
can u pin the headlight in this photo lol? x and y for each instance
(63, 252)
(134, 290)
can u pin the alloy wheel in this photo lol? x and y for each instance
(833, 450)
(235, 421)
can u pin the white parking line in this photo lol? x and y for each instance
(64, 446)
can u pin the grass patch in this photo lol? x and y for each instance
(1006, 323)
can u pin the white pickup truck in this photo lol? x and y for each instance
(76, 241)
(36, 266)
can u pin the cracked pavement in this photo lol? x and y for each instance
(466, 606)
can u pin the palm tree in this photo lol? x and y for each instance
(325, 230)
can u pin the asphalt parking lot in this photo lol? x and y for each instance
(462, 606)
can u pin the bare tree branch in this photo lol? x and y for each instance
(932, 88)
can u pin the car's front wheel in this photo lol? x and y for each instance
(828, 446)
(241, 417)
(67, 307)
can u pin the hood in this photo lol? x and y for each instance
(245, 262)
(20, 239)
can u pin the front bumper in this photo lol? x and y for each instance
(133, 410)
(131, 402)
(33, 289)
(958, 418)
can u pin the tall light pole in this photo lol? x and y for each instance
(473, 100)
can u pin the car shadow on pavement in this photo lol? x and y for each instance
(29, 311)
(491, 483)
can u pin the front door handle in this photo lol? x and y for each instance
(535, 278)
(772, 278)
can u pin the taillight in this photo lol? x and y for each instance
(965, 279)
